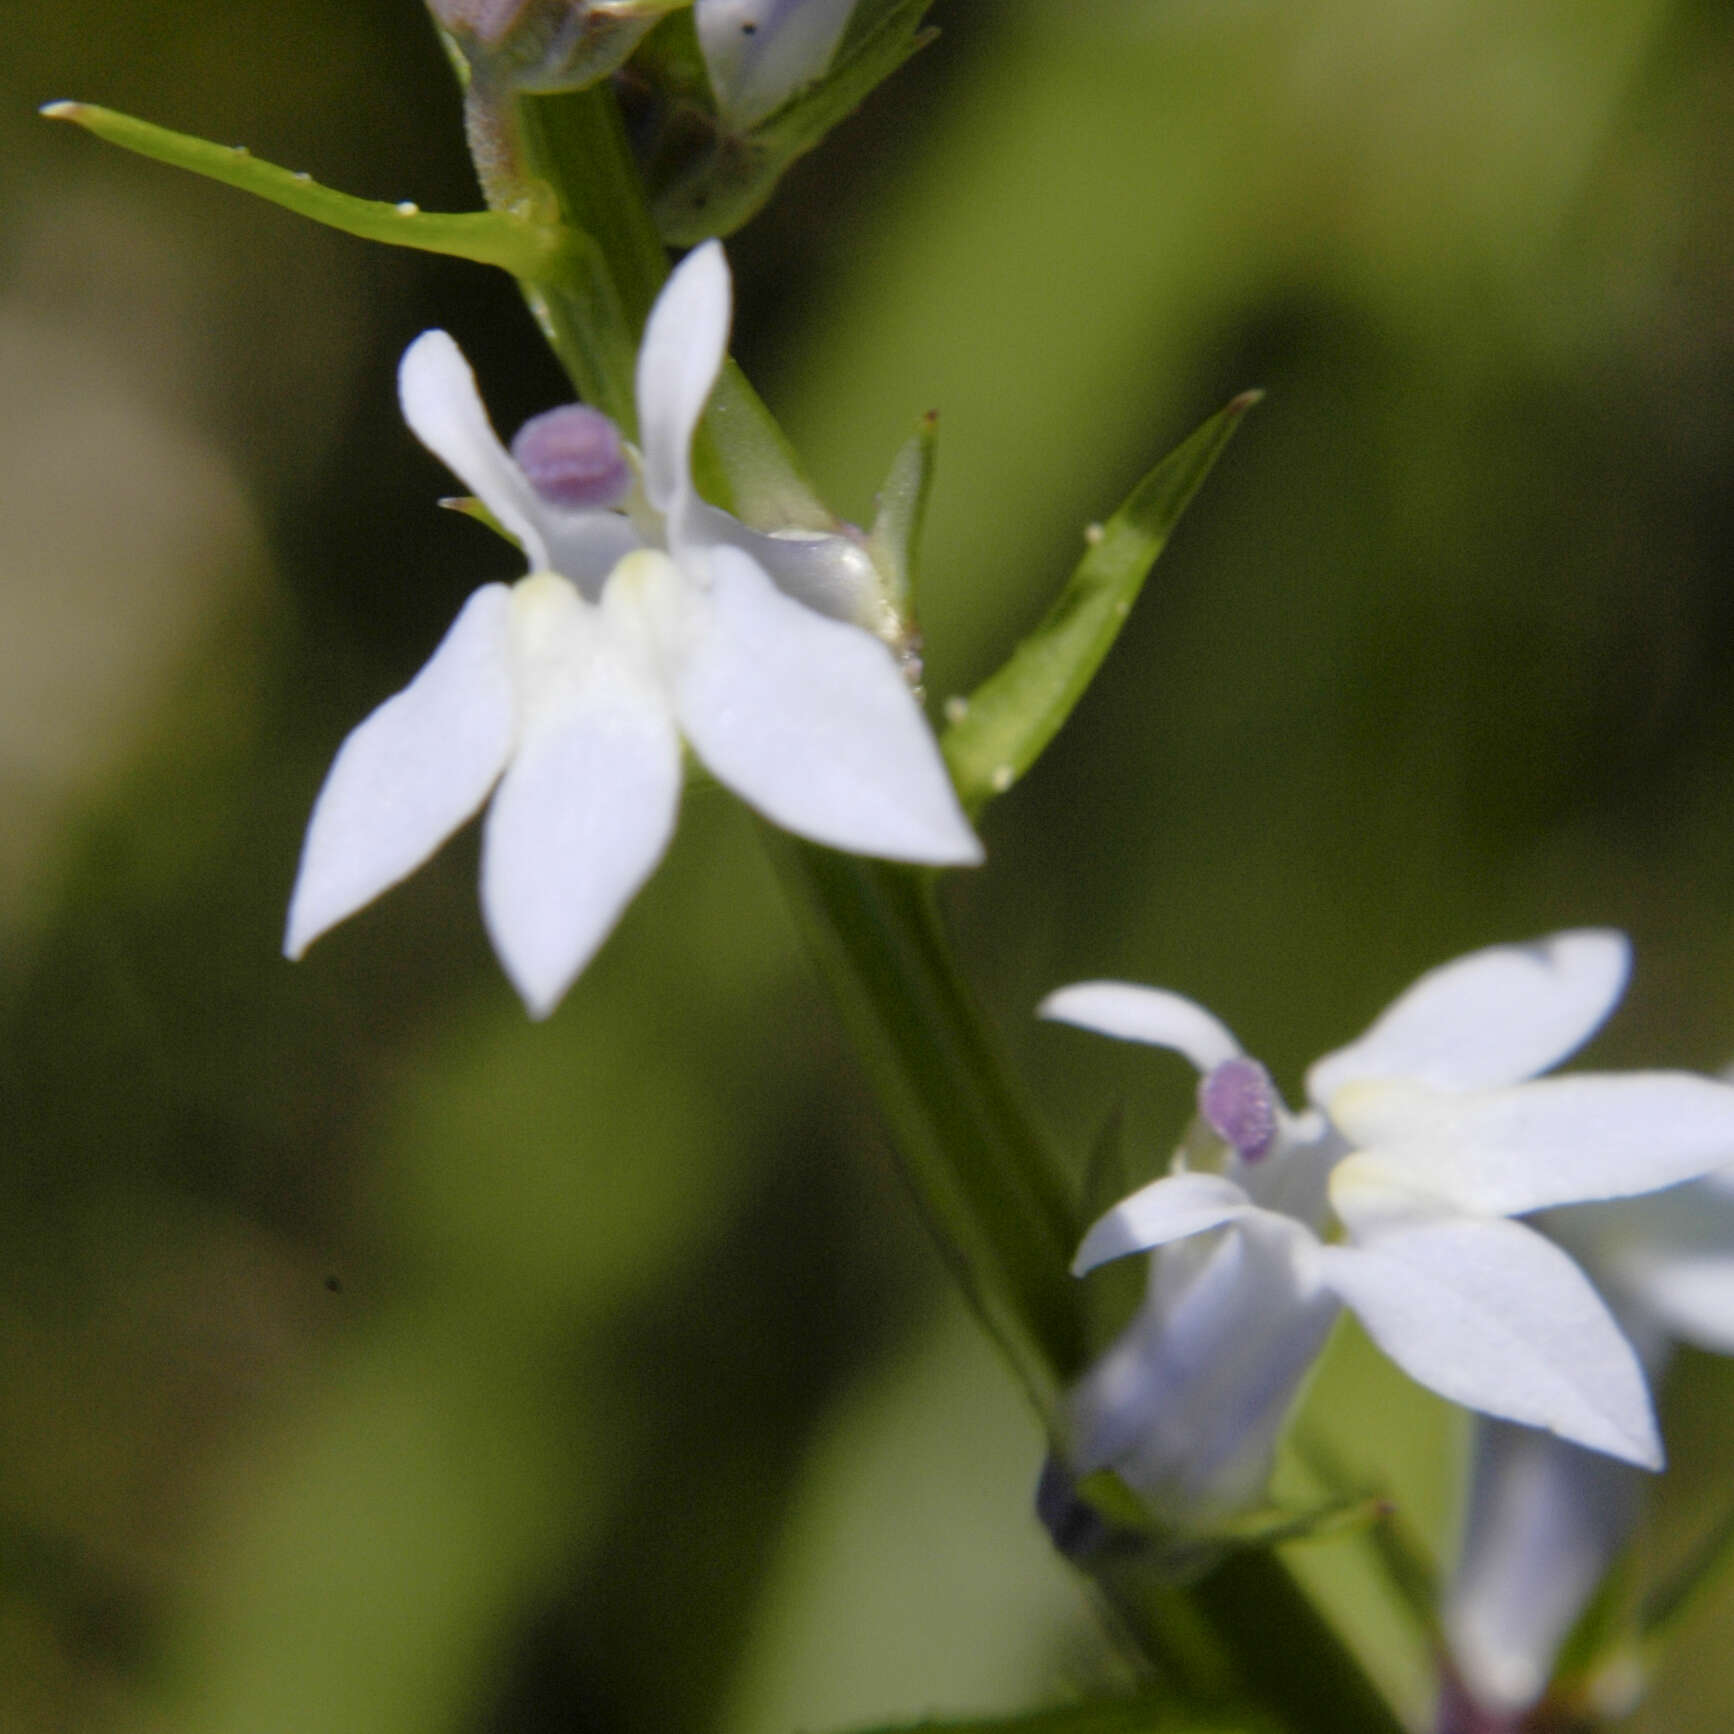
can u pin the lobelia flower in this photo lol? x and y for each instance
(1546, 1519)
(648, 616)
(759, 53)
(1393, 1193)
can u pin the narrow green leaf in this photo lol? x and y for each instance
(1003, 727)
(894, 541)
(1147, 1714)
(764, 482)
(716, 189)
(514, 242)
(1406, 1559)
(1662, 1610)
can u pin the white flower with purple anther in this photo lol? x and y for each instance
(1392, 1192)
(647, 617)
(1546, 1519)
(759, 53)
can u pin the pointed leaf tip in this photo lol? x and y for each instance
(528, 249)
(895, 539)
(1016, 711)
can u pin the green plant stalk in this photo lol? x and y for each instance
(998, 1203)
(995, 1194)
(594, 310)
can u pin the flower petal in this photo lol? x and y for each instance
(1165, 1210)
(1491, 1315)
(410, 774)
(1494, 1017)
(1144, 1014)
(1546, 1520)
(1552, 1141)
(830, 573)
(682, 353)
(1187, 1405)
(759, 53)
(1671, 1254)
(810, 721)
(440, 402)
(585, 810)
(586, 546)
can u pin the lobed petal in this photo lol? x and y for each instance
(810, 721)
(1494, 1017)
(1546, 1521)
(1144, 1014)
(685, 342)
(759, 53)
(586, 546)
(587, 807)
(829, 573)
(410, 774)
(1166, 1210)
(1493, 1316)
(440, 401)
(1553, 1141)
(1670, 1255)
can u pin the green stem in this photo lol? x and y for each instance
(1286, 1653)
(594, 310)
(998, 1203)
(577, 142)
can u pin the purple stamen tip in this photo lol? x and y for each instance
(1239, 1101)
(572, 456)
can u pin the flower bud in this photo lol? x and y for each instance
(759, 53)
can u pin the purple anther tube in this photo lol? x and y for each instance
(572, 457)
(1239, 1101)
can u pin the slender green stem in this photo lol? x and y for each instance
(1286, 1653)
(577, 142)
(592, 318)
(998, 1199)
(993, 1194)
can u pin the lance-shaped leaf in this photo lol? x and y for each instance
(1003, 727)
(712, 187)
(526, 247)
(895, 539)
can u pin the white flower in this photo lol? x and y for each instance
(567, 695)
(1547, 1519)
(1393, 1193)
(759, 53)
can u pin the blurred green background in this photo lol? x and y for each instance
(375, 1362)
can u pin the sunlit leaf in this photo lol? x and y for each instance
(1001, 730)
(527, 247)
(1407, 1562)
(894, 540)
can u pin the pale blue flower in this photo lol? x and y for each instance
(1393, 1193)
(1547, 1519)
(648, 618)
